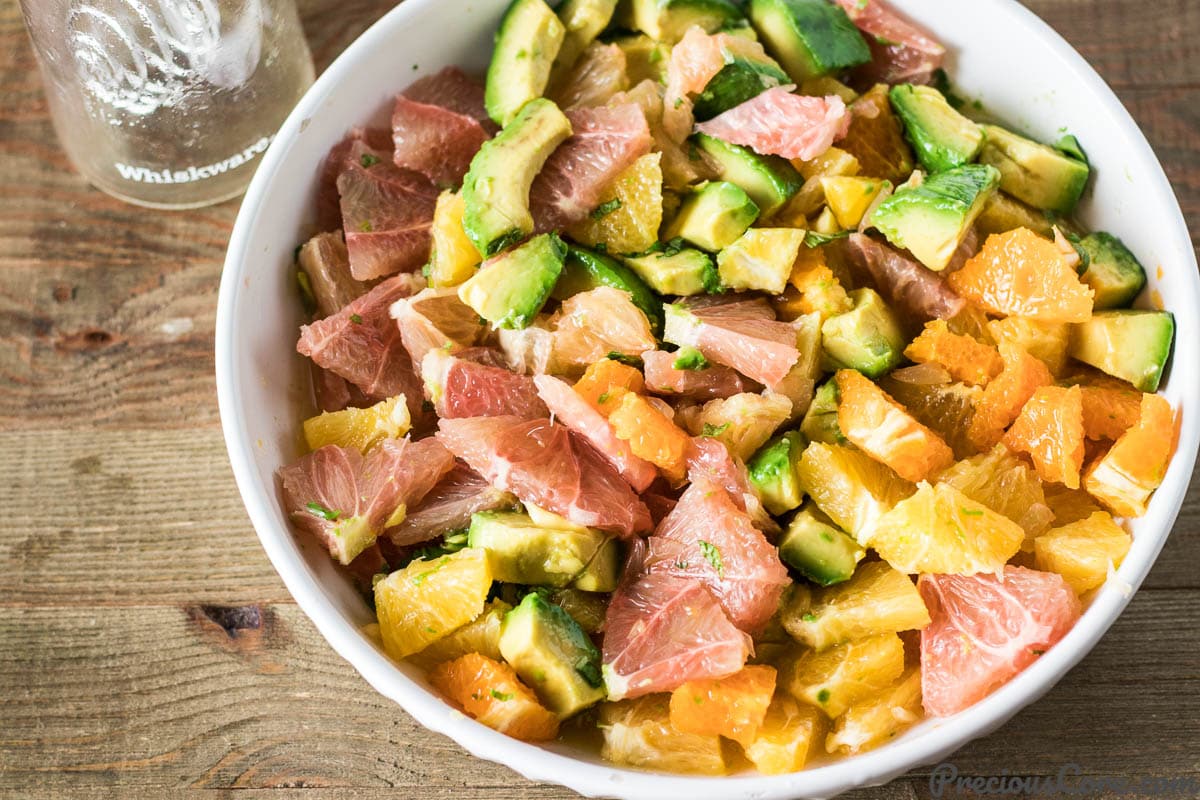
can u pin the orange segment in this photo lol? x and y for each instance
(651, 434)
(1109, 411)
(1018, 273)
(1050, 429)
(819, 289)
(964, 358)
(883, 429)
(1125, 477)
(603, 377)
(491, 693)
(1006, 394)
(787, 737)
(733, 707)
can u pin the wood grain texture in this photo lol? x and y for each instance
(147, 648)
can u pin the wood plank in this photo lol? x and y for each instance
(104, 517)
(167, 697)
(1130, 43)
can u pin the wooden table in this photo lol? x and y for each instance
(147, 648)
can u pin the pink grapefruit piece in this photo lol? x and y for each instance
(662, 630)
(707, 537)
(569, 408)
(460, 387)
(778, 122)
(544, 463)
(901, 52)
(448, 506)
(986, 629)
(742, 334)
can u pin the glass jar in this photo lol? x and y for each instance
(169, 103)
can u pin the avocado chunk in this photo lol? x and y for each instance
(818, 549)
(772, 472)
(810, 38)
(679, 271)
(527, 43)
(1002, 213)
(931, 219)
(520, 551)
(866, 338)
(496, 188)
(743, 77)
(1113, 272)
(668, 20)
(1130, 345)
(761, 259)
(769, 180)
(582, 21)
(941, 137)
(511, 288)
(713, 216)
(552, 654)
(820, 423)
(1034, 173)
(585, 270)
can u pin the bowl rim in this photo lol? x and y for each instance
(591, 779)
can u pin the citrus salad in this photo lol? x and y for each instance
(714, 379)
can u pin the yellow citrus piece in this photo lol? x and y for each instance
(452, 258)
(638, 733)
(853, 489)
(1050, 429)
(1083, 552)
(651, 434)
(743, 422)
(879, 719)
(480, 635)
(850, 197)
(359, 428)
(939, 529)
(1006, 394)
(964, 358)
(428, 600)
(632, 210)
(835, 679)
(1019, 273)
(1045, 341)
(1005, 484)
(490, 692)
(1124, 478)
(834, 161)
(1070, 505)
(786, 737)
(733, 706)
(877, 600)
(884, 429)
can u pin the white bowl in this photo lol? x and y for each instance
(1001, 53)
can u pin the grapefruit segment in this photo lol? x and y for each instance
(778, 122)
(986, 629)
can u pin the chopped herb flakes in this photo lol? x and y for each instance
(713, 556)
(604, 209)
(632, 361)
(365, 226)
(356, 319)
(503, 697)
(689, 358)
(714, 430)
(369, 160)
(318, 510)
